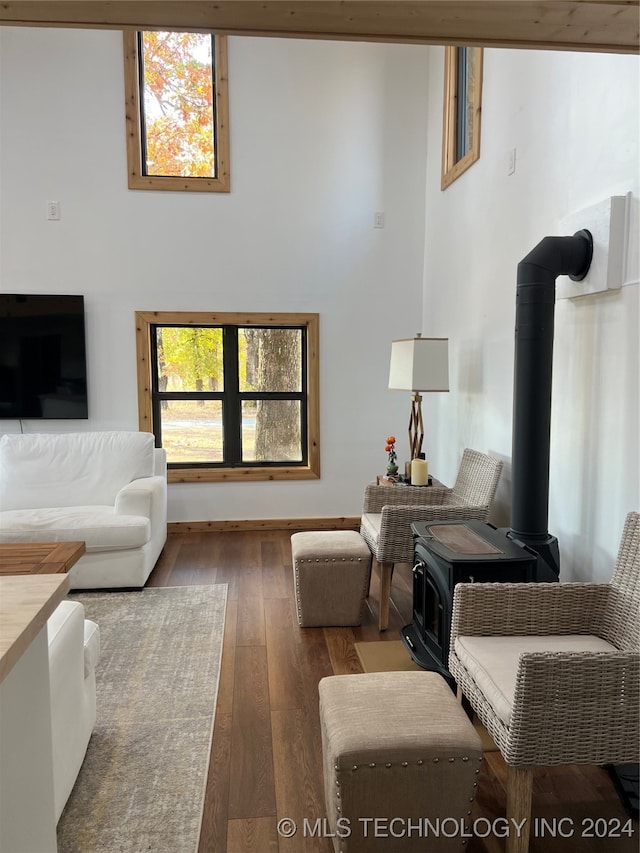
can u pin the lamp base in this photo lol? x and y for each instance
(416, 428)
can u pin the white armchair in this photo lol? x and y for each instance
(74, 649)
(108, 489)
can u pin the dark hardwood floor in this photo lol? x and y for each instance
(266, 757)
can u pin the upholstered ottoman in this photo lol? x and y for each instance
(401, 762)
(331, 572)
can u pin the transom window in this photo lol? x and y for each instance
(231, 396)
(177, 111)
(462, 110)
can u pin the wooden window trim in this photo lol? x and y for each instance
(145, 320)
(139, 181)
(452, 168)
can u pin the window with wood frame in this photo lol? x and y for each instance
(462, 111)
(231, 396)
(177, 108)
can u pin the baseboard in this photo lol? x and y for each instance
(344, 523)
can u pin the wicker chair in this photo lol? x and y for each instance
(553, 671)
(388, 512)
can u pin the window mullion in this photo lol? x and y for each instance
(156, 401)
(232, 417)
(141, 106)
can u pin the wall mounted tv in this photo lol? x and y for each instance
(43, 368)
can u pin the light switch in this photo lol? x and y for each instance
(53, 210)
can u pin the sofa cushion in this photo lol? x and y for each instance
(98, 526)
(71, 469)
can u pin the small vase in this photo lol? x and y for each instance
(392, 469)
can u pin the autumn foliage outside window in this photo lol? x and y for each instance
(177, 111)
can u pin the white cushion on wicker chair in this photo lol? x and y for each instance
(493, 661)
(370, 524)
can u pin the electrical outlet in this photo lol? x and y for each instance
(53, 210)
(378, 219)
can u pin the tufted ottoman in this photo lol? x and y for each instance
(331, 572)
(401, 762)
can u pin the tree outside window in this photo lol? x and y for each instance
(230, 397)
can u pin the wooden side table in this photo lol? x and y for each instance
(383, 480)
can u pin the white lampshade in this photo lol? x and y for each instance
(420, 364)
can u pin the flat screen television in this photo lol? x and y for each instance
(43, 367)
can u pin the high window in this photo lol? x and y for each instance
(462, 109)
(177, 111)
(230, 396)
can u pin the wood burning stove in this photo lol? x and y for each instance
(447, 553)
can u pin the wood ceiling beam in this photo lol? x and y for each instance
(584, 25)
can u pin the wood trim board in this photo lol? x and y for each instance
(343, 523)
(583, 25)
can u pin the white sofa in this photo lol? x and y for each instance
(74, 649)
(108, 489)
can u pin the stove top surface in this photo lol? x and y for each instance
(458, 541)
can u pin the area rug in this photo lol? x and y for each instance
(392, 656)
(142, 784)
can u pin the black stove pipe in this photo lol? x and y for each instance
(535, 304)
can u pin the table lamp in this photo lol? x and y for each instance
(419, 364)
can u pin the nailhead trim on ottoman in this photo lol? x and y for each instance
(331, 572)
(397, 746)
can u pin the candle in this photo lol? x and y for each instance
(419, 472)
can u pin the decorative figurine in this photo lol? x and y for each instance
(390, 447)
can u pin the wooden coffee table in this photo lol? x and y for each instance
(39, 558)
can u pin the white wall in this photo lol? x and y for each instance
(322, 135)
(573, 119)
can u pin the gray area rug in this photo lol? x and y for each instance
(141, 787)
